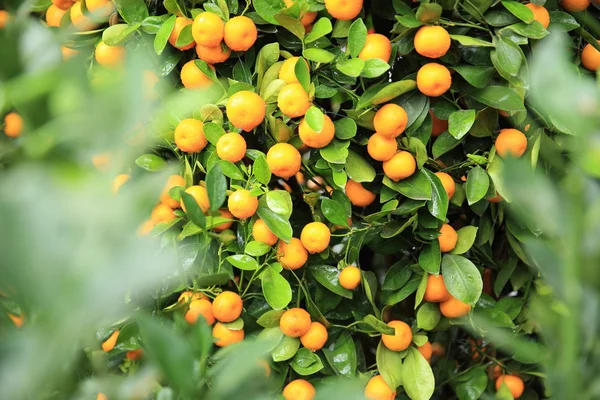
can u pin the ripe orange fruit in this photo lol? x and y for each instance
(288, 70)
(18, 320)
(344, 9)
(189, 296)
(68, 52)
(540, 14)
(109, 56)
(447, 238)
(262, 233)
(439, 126)
(284, 160)
(390, 120)
(447, 183)
(381, 148)
(145, 228)
(350, 277)
(231, 147)
(225, 336)
(358, 195)
(100, 8)
(173, 181)
(242, 204)
(432, 41)
(511, 141)
(299, 389)
(295, 322)
(292, 255)
(162, 213)
(109, 343)
(377, 389)
(13, 125)
(193, 78)
(227, 306)
(208, 29)
(101, 396)
(240, 33)
(54, 15)
(212, 55)
(496, 199)
(134, 355)
(401, 339)
(590, 57)
(4, 17)
(314, 139)
(119, 181)
(79, 20)
(189, 136)
(201, 307)
(433, 79)
(454, 308)
(63, 4)
(315, 338)
(376, 46)
(515, 384)
(400, 166)
(180, 23)
(315, 237)
(293, 100)
(245, 110)
(199, 194)
(225, 225)
(436, 291)
(575, 5)
(438, 349)
(426, 350)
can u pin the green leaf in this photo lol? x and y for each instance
(216, 186)
(267, 9)
(334, 212)
(343, 356)
(336, 152)
(276, 289)
(315, 118)
(391, 91)
(151, 162)
(193, 210)
(243, 262)
(499, 97)
(117, 34)
(417, 376)
(286, 349)
(261, 170)
(478, 76)
(345, 128)
(277, 223)
(462, 278)
(213, 132)
(408, 289)
(564, 20)
(351, 67)
(359, 169)
(466, 238)
(416, 187)
(302, 73)
(428, 13)
(478, 183)
(460, 122)
(443, 144)
(231, 170)
(519, 10)
(318, 55)
(375, 67)
(430, 257)
(328, 276)
(257, 249)
(471, 41)
(438, 206)
(397, 276)
(270, 319)
(173, 7)
(509, 56)
(417, 147)
(378, 325)
(291, 24)
(320, 28)
(428, 316)
(389, 365)
(494, 317)
(408, 21)
(473, 385)
(306, 363)
(185, 36)
(421, 290)
(162, 37)
(132, 11)
(357, 37)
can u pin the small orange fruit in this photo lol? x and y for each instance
(350, 277)
(376, 46)
(110, 343)
(284, 160)
(134, 355)
(299, 389)
(288, 70)
(344, 9)
(447, 183)
(436, 291)
(180, 23)
(390, 120)
(515, 384)
(432, 41)
(189, 136)
(199, 194)
(18, 320)
(212, 55)
(240, 33)
(439, 126)
(400, 166)
(262, 233)
(173, 181)
(511, 141)
(119, 181)
(227, 306)
(68, 52)
(4, 18)
(231, 147)
(426, 350)
(225, 225)
(145, 228)
(225, 336)
(358, 195)
(101, 396)
(292, 255)
(315, 338)
(100, 8)
(590, 57)
(242, 204)
(540, 14)
(162, 213)
(293, 100)
(401, 339)
(447, 238)
(315, 237)
(295, 322)
(381, 148)
(377, 389)
(63, 4)
(454, 308)
(54, 15)
(246, 110)
(208, 29)
(79, 20)
(496, 199)
(438, 349)
(189, 296)
(575, 5)
(109, 56)
(201, 307)
(315, 139)
(13, 125)
(433, 79)
(193, 78)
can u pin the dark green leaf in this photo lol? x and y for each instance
(477, 185)
(478, 76)
(429, 12)
(328, 276)
(416, 187)
(216, 186)
(519, 10)
(334, 212)
(193, 210)
(375, 67)
(431, 257)
(359, 169)
(318, 55)
(267, 9)
(460, 122)
(499, 97)
(438, 206)
(462, 278)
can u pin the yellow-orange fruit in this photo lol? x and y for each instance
(432, 41)
(242, 204)
(515, 384)
(436, 291)
(390, 120)
(344, 9)
(284, 160)
(358, 195)
(447, 183)
(447, 238)
(110, 343)
(400, 166)
(590, 57)
(240, 33)
(295, 322)
(299, 389)
(224, 336)
(377, 389)
(349, 278)
(208, 30)
(381, 148)
(315, 237)
(433, 79)
(314, 139)
(315, 338)
(540, 14)
(401, 339)
(189, 136)
(511, 141)
(227, 306)
(292, 255)
(454, 308)
(376, 46)
(180, 23)
(262, 233)
(198, 308)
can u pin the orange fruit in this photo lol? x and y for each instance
(377, 389)
(401, 339)
(180, 23)
(515, 384)
(439, 126)
(350, 277)
(173, 181)
(447, 183)
(288, 70)
(314, 139)
(454, 308)
(18, 320)
(284, 160)
(162, 213)
(101, 396)
(79, 20)
(315, 237)
(201, 307)
(13, 125)
(496, 199)
(344, 9)
(109, 343)
(358, 195)
(246, 110)
(376, 46)
(188, 296)
(299, 389)
(432, 41)
(390, 120)
(540, 14)
(119, 181)
(240, 33)
(436, 291)
(4, 17)
(433, 79)
(145, 228)
(293, 100)
(54, 15)
(63, 4)
(227, 306)
(426, 350)
(590, 57)
(231, 147)
(381, 148)
(189, 136)
(225, 336)
(511, 141)
(68, 52)
(208, 29)
(292, 255)
(193, 78)
(306, 18)
(295, 322)
(109, 56)
(225, 225)
(262, 233)
(134, 355)
(212, 55)
(100, 8)
(438, 349)
(199, 194)
(242, 204)
(447, 238)
(575, 5)
(315, 338)
(400, 166)
(101, 161)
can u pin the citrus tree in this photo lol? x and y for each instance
(307, 199)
